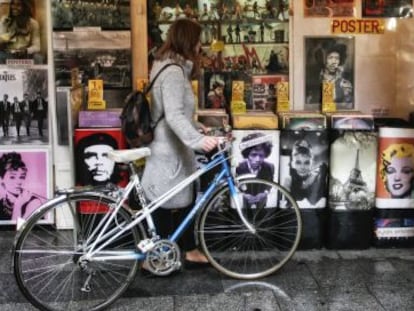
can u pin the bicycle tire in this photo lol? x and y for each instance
(228, 244)
(46, 258)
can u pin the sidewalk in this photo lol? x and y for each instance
(317, 280)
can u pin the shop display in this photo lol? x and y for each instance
(264, 97)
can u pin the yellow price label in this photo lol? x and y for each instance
(328, 104)
(238, 106)
(283, 97)
(141, 84)
(237, 93)
(95, 90)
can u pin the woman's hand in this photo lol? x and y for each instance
(209, 143)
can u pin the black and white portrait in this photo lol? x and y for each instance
(304, 166)
(329, 59)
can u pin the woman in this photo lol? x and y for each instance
(306, 182)
(176, 137)
(15, 200)
(397, 170)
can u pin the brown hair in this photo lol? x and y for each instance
(182, 38)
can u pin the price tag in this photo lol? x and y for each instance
(238, 107)
(283, 97)
(141, 84)
(95, 95)
(328, 104)
(237, 91)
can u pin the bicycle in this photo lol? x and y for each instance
(88, 260)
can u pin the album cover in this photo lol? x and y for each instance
(214, 118)
(304, 166)
(26, 183)
(264, 91)
(217, 90)
(303, 121)
(352, 168)
(255, 120)
(352, 122)
(256, 153)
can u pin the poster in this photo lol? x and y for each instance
(329, 59)
(387, 8)
(92, 164)
(256, 153)
(304, 166)
(25, 183)
(352, 170)
(25, 101)
(326, 8)
(24, 42)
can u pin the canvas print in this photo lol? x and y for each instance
(108, 14)
(217, 90)
(304, 166)
(329, 59)
(327, 8)
(256, 152)
(24, 183)
(92, 165)
(103, 55)
(24, 106)
(352, 168)
(395, 173)
(387, 8)
(24, 32)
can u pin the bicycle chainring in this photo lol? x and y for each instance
(164, 258)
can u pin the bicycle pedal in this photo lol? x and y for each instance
(146, 245)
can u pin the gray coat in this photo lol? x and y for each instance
(176, 136)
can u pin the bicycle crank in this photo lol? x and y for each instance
(163, 258)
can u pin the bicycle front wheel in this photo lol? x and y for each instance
(48, 263)
(274, 234)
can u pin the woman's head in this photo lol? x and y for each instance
(13, 172)
(302, 158)
(183, 40)
(397, 169)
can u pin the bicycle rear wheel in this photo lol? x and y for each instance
(47, 263)
(236, 251)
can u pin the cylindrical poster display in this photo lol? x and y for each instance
(394, 213)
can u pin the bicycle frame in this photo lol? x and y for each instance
(224, 175)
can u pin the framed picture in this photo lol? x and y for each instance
(25, 43)
(104, 55)
(108, 15)
(264, 97)
(217, 90)
(25, 184)
(323, 8)
(381, 8)
(329, 59)
(25, 94)
(92, 165)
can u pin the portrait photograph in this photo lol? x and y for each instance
(352, 170)
(92, 164)
(24, 103)
(395, 168)
(256, 153)
(102, 55)
(107, 15)
(304, 166)
(25, 183)
(217, 90)
(23, 32)
(387, 8)
(326, 8)
(331, 60)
